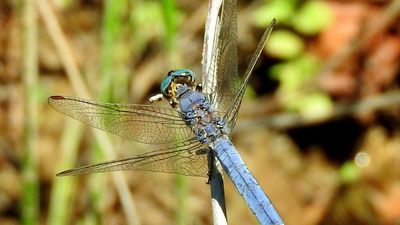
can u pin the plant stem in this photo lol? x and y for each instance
(30, 189)
(59, 209)
(216, 180)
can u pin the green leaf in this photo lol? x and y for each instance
(295, 73)
(284, 44)
(282, 11)
(312, 18)
(315, 106)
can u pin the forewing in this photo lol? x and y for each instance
(231, 115)
(210, 49)
(185, 158)
(220, 81)
(141, 123)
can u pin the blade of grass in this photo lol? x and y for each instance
(113, 49)
(30, 186)
(61, 194)
(181, 192)
(170, 13)
(90, 218)
(96, 184)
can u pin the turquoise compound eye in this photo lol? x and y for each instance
(166, 82)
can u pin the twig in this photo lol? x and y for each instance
(66, 56)
(289, 119)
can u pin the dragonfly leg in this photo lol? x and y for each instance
(199, 87)
(211, 167)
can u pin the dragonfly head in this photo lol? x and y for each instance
(173, 80)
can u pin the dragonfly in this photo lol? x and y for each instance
(199, 121)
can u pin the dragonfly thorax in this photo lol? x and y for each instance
(200, 115)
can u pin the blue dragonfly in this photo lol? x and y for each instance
(198, 123)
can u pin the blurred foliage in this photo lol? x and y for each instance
(147, 19)
(295, 78)
(284, 44)
(349, 172)
(282, 11)
(294, 74)
(306, 17)
(312, 17)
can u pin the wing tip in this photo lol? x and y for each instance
(56, 97)
(65, 173)
(273, 23)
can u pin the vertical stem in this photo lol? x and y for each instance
(216, 180)
(169, 10)
(181, 190)
(59, 210)
(111, 41)
(217, 191)
(30, 189)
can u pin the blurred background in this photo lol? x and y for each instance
(319, 125)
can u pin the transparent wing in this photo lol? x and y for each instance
(141, 123)
(231, 115)
(221, 82)
(210, 52)
(185, 158)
